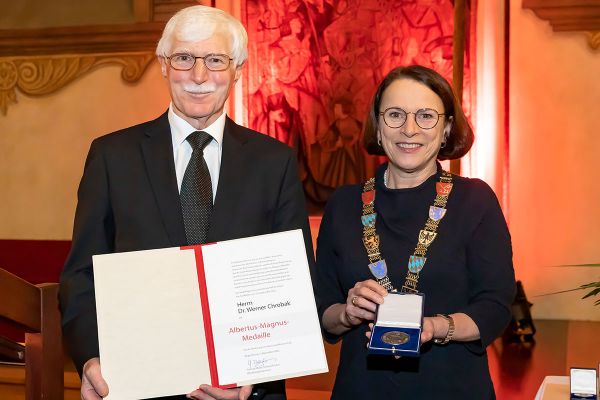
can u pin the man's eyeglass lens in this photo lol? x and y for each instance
(425, 118)
(214, 62)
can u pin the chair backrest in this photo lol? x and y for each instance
(35, 309)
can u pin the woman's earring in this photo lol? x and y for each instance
(379, 140)
(446, 134)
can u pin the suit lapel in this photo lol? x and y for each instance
(230, 180)
(157, 149)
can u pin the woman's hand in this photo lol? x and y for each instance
(360, 306)
(428, 329)
(362, 302)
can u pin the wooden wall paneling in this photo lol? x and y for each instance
(164, 9)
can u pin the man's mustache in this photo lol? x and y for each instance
(200, 89)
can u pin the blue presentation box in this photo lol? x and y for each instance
(583, 384)
(397, 328)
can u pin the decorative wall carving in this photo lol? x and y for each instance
(593, 39)
(42, 75)
(570, 16)
(313, 68)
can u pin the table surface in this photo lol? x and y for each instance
(553, 387)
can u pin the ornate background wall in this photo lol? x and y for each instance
(315, 65)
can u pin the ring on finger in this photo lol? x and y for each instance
(353, 301)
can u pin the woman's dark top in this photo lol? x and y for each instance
(468, 270)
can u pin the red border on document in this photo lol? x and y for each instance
(208, 333)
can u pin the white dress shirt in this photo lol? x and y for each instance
(182, 150)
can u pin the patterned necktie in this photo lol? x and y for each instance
(196, 191)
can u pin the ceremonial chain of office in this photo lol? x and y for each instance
(427, 235)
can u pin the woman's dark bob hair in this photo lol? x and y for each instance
(461, 136)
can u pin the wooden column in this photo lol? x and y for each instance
(458, 61)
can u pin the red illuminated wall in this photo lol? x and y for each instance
(314, 66)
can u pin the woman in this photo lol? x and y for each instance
(465, 272)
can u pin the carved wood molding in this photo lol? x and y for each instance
(570, 16)
(38, 62)
(80, 39)
(42, 75)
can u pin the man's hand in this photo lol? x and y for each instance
(93, 386)
(207, 392)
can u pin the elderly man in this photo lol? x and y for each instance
(190, 176)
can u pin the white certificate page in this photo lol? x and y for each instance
(150, 324)
(262, 307)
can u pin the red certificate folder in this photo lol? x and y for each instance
(227, 314)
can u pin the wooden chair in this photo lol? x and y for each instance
(35, 309)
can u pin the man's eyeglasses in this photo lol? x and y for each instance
(185, 62)
(395, 117)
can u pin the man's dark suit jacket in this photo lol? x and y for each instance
(128, 200)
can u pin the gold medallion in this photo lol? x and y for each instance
(395, 338)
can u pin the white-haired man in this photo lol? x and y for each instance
(131, 195)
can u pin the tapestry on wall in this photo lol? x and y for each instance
(314, 66)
